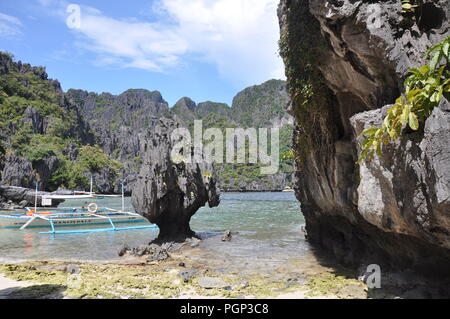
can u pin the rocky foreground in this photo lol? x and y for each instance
(186, 272)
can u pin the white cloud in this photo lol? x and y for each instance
(9, 26)
(238, 36)
(140, 45)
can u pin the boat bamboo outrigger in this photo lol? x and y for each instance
(92, 215)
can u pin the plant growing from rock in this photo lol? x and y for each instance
(408, 7)
(424, 89)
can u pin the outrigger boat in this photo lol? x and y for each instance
(75, 217)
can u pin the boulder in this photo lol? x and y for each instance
(227, 236)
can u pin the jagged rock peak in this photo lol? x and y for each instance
(185, 103)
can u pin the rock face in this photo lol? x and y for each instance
(394, 210)
(269, 183)
(116, 121)
(19, 170)
(48, 114)
(258, 106)
(408, 189)
(169, 193)
(18, 197)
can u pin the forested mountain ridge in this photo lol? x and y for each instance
(259, 106)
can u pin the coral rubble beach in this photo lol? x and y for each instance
(191, 270)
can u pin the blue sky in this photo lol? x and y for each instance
(204, 49)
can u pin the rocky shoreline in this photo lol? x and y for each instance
(12, 197)
(53, 280)
(186, 273)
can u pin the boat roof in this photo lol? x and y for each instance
(76, 196)
(67, 196)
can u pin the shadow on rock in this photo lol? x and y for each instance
(394, 284)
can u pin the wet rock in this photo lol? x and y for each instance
(143, 250)
(73, 269)
(155, 252)
(194, 242)
(159, 255)
(188, 275)
(212, 283)
(295, 281)
(227, 236)
(123, 250)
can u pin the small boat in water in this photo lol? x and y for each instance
(73, 217)
(68, 218)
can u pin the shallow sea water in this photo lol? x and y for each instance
(266, 230)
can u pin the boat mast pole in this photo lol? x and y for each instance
(35, 198)
(123, 199)
(91, 186)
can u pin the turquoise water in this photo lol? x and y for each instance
(265, 225)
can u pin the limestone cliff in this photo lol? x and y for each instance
(346, 60)
(116, 121)
(169, 193)
(258, 106)
(65, 138)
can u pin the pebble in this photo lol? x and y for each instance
(227, 236)
(187, 275)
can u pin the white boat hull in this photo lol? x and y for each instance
(9, 221)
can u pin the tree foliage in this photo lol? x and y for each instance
(424, 89)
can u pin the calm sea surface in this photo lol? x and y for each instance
(267, 225)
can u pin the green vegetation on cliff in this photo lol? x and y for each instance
(90, 159)
(38, 122)
(67, 137)
(259, 106)
(301, 50)
(425, 87)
